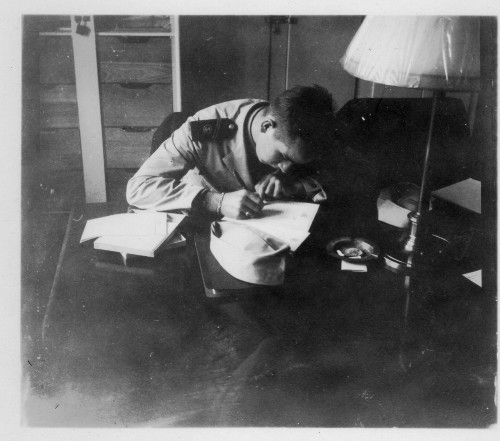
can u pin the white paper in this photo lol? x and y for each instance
(141, 244)
(287, 214)
(466, 194)
(476, 277)
(287, 220)
(126, 224)
(357, 267)
(392, 214)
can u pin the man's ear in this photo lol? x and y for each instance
(266, 124)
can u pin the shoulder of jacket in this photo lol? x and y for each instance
(213, 129)
(219, 122)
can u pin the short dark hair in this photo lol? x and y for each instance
(304, 113)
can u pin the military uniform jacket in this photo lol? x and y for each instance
(193, 159)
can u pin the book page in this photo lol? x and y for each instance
(141, 244)
(138, 245)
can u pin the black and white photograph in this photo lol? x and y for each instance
(257, 218)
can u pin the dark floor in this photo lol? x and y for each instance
(47, 200)
(137, 391)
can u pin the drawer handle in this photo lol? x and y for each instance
(135, 85)
(137, 129)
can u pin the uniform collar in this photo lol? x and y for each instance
(238, 161)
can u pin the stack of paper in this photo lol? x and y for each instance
(142, 233)
(289, 221)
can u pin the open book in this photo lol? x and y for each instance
(143, 233)
(289, 221)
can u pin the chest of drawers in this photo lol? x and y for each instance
(136, 84)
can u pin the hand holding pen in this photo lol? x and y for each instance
(241, 204)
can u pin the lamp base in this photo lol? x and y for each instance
(431, 252)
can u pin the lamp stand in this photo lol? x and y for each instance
(417, 249)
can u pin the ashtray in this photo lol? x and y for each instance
(354, 250)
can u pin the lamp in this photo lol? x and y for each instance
(427, 52)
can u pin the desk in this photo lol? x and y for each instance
(145, 347)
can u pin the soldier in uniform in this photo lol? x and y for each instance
(228, 158)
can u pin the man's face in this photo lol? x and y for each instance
(277, 154)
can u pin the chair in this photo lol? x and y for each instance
(171, 123)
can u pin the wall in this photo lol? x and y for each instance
(222, 58)
(317, 45)
(228, 57)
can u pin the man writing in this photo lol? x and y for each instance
(228, 158)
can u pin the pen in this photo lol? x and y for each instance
(242, 184)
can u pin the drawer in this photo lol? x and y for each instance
(136, 107)
(58, 106)
(118, 61)
(125, 149)
(121, 106)
(133, 49)
(57, 65)
(135, 72)
(133, 22)
(60, 148)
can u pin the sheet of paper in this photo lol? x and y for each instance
(392, 214)
(466, 194)
(476, 277)
(285, 214)
(287, 220)
(356, 267)
(126, 224)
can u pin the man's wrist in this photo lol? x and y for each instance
(210, 201)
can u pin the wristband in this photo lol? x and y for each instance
(219, 205)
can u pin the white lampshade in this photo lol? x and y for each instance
(429, 52)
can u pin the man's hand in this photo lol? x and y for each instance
(275, 185)
(241, 204)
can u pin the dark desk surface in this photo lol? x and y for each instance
(143, 345)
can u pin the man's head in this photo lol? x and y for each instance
(295, 127)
